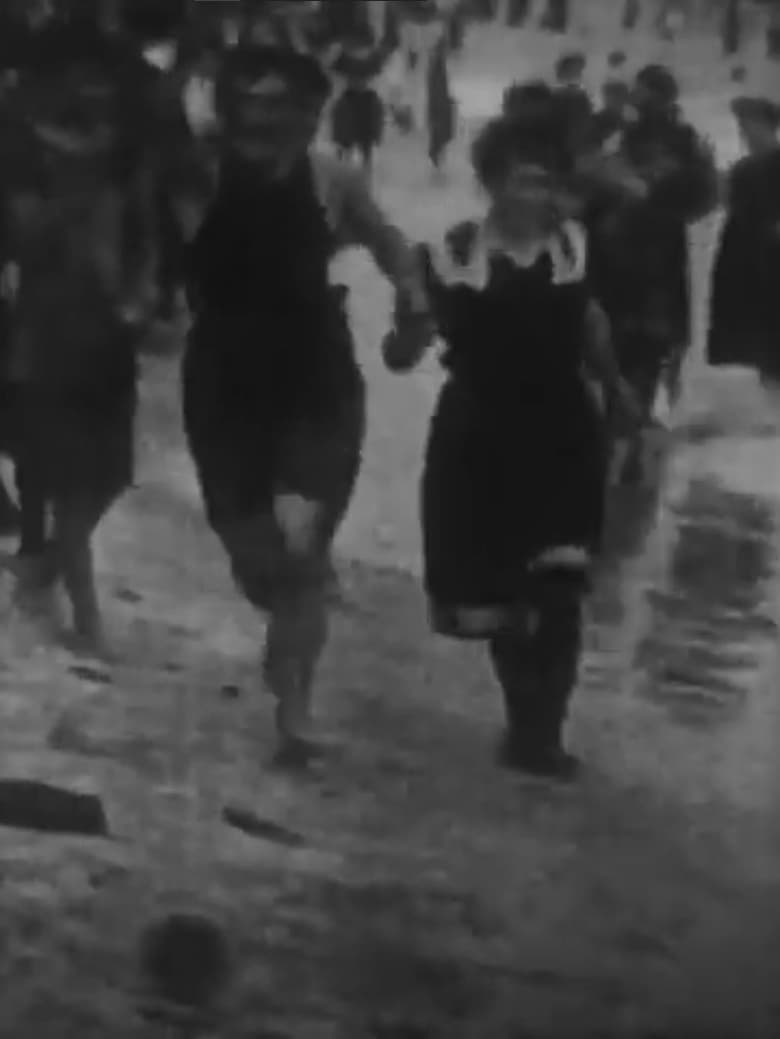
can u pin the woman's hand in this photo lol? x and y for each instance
(413, 333)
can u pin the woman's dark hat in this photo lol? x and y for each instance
(535, 137)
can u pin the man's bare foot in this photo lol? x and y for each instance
(91, 644)
(297, 754)
(38, 572)
(35, 592)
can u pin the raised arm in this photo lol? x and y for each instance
(362, 222)
(358, 220)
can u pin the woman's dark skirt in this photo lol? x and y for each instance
(744, 327)
(70, 409)
(504, 482)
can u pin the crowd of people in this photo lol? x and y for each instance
(563, 307)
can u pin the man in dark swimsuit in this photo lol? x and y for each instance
(77, 253)
(273, 398)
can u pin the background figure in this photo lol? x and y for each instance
(522, 100)
(186, 119)
(358, 115)
(556, 16)
(358, 121)
(610, 121)
(641, 244)
(519, 11)
(398, 73)
(456, 30)
(573, 100)
(9, 513)
(78, 219)
(441, 107)
(744, 326)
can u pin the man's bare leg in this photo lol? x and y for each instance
(74, 526)
(296, 639)
(36, 565)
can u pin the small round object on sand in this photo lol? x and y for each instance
(186, 959)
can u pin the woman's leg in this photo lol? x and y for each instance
(537, 672)
(296, 639)
(36, 567)
(32, 499)
(9, 513)
(284, 576)
(512, 660)
(96, 460)
(75, 523)
(298, 623)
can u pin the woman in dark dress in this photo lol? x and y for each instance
(441, 109)
(745, 316)
(514, 481)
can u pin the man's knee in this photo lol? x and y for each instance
(267, 572)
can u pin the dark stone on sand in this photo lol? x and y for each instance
(90, 674)
(263, 829)
(399, 1031)
(230, 692)
(127, 595)
(185, 957)
(26, 804)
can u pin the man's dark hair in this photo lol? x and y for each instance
(616, 88)
(573, 63)
(255, 62)
(617, 59)
(660, 83)
(80, 54)
(526, 96)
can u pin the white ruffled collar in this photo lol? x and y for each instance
(567, 250)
